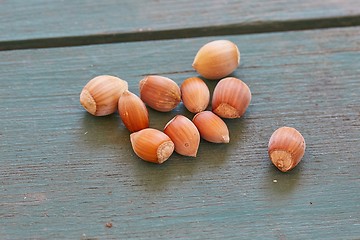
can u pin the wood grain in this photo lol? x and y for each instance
(65, 173)
(27, 22)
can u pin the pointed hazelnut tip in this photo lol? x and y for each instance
(193, 155)
(142, 82)
(88, 102)
(126, 92)
(226, 139)
(195, 62)
(238, 54)
(132, 137)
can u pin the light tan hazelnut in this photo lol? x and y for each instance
(217, 59)
(101, 94)
(195, 94)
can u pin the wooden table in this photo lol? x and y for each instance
(66, 174)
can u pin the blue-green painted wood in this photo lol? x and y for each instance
(65, 174)
(23, 20)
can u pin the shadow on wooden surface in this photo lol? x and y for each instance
(151, 35)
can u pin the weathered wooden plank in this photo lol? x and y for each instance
(64, 173)
(232, 29)
(39, 19)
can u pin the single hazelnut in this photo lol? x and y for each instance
(160, 93)
(217, 59)
(152, 145)
(184, 135)
(101, 94)
(211, 127)
(133, 112)
(286, 148)
(231, 98)
(195, 94)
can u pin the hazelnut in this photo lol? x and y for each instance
(217, 59)
(101, 94)
(133, 112)
(195, 94)
(231, 98)
(184, 135)
(152, 145)
(160, 93)
(286, 148)
(211, 127)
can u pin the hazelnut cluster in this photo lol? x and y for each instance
(104, 95)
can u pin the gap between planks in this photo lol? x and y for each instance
(230, 29)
